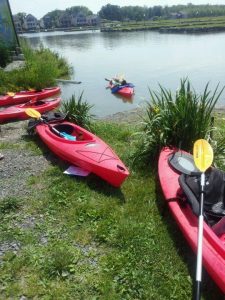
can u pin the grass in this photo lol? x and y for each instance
(80, 238)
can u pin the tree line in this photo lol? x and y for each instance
(139, 13)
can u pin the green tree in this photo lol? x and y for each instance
(111, 12)
(79, 9)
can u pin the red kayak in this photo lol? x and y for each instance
(83, 149)
(213, 236)
(123, 90)
(17, 112)
(24, 96)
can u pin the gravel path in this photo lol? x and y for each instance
(18, 163)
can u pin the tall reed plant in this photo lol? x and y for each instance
(175, 120)
(78, 111)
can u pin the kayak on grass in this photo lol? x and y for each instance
(17, 112)
(79, 147)
(187, 220)
(24, 96)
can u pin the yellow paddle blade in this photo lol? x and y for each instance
(203, 155)
(11, 94)
(33, 113)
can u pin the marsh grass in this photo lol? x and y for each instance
(175, 120)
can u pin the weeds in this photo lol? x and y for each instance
(9, 204)
(78, 111)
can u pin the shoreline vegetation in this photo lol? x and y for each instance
(183, 25)
(192, 25)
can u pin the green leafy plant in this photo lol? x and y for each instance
(9, 204)
(60, 260)
(78, 111)
(175, 120)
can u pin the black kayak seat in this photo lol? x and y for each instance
(214, 198)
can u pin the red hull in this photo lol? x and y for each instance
(125, 91)
(24, 96)
(17, 112)
(213, 244)
(88, 151)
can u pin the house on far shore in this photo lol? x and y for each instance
(78, 19)
(65, 21)
(93, 20)
(46, 22)
(31, 23)
(178, 15)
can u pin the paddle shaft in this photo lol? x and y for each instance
(51, 127)
(200, 240)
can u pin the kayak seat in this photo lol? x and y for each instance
(214, 200)
(69, 129)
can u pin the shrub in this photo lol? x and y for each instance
(42, 68)
(78, 111)
(177, 120)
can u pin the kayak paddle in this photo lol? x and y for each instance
(203, 158)
(11, 94)
(33, 113)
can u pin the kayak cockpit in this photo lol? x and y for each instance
(67, 130)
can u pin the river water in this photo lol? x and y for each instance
(146, 58)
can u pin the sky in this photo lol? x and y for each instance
(39, 8)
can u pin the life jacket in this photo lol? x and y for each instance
(214, 192)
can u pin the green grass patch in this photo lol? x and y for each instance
(80, 238)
